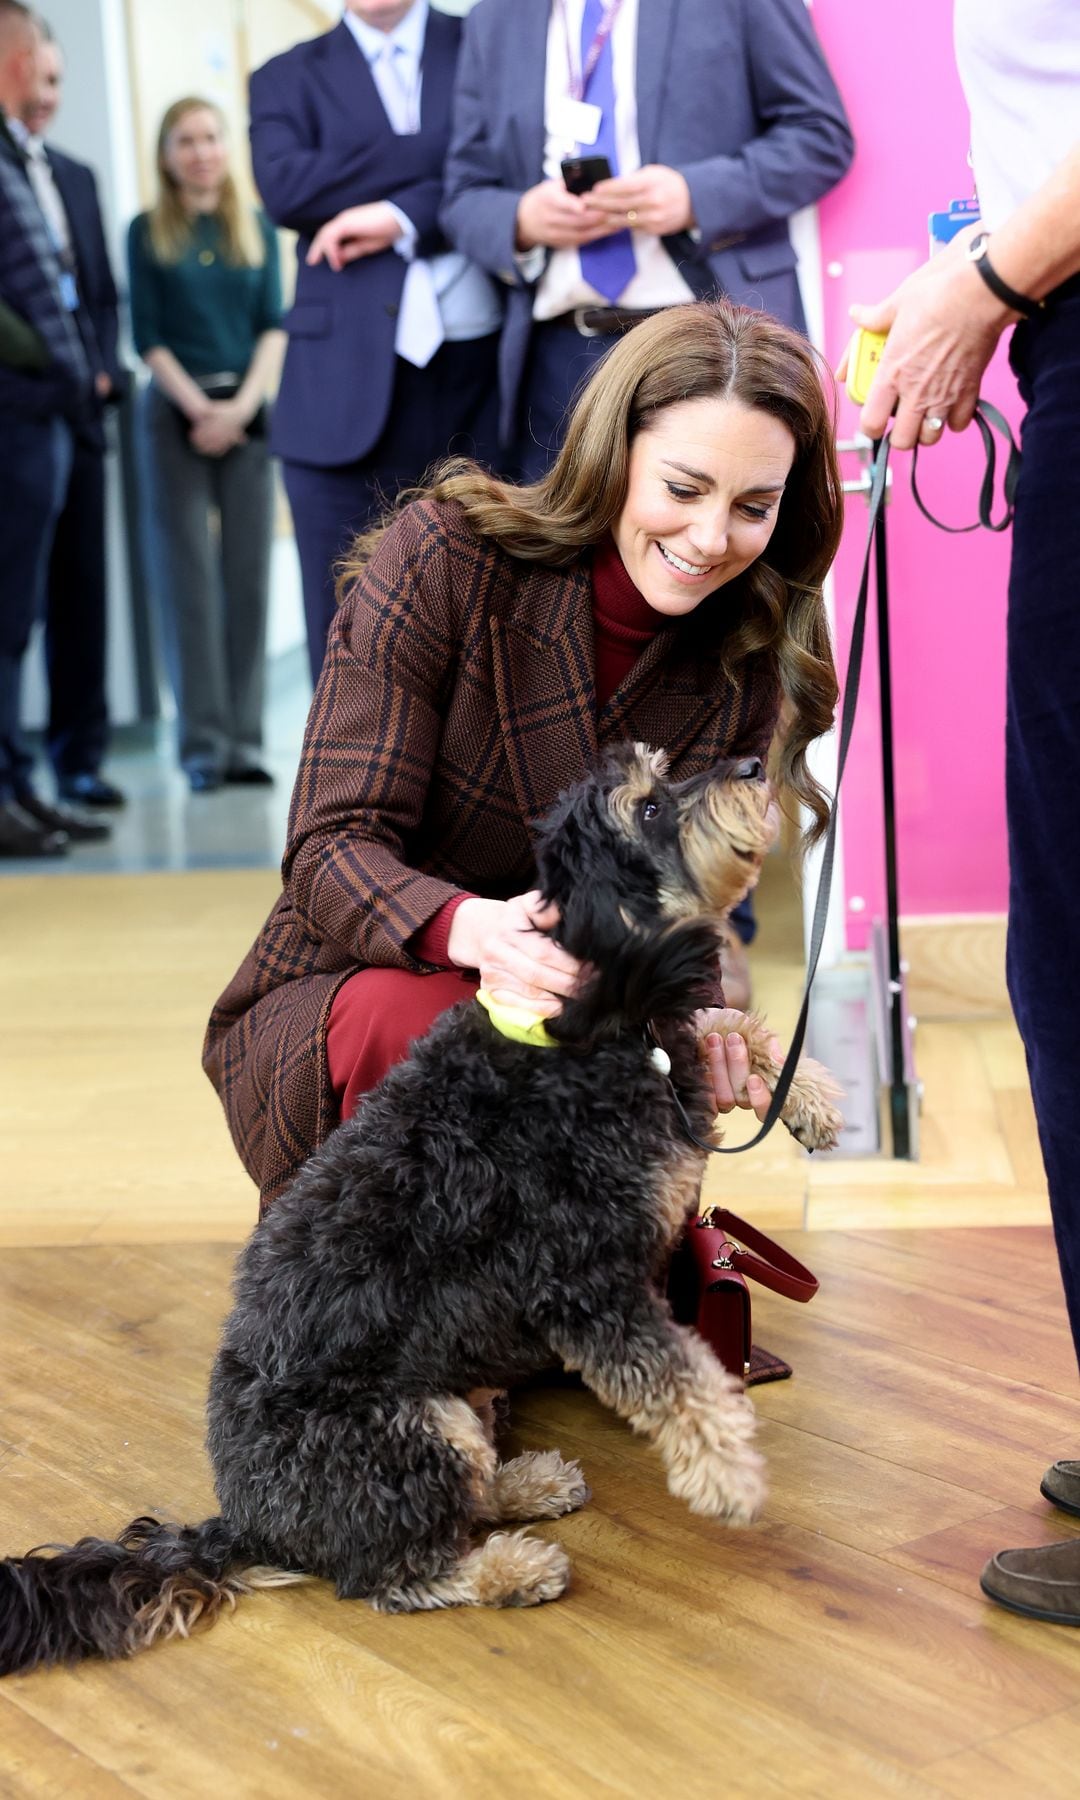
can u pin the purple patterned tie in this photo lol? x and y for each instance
(608, 265)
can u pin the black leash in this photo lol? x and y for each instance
(988, 419)
(828, 855)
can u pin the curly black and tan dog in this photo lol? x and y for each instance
(500, 1203)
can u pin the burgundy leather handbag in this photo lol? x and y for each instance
(707, 1288)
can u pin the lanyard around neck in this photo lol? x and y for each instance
(579, 82)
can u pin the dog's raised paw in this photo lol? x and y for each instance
(811, 1114)
(817, 1128)
(731, 1487)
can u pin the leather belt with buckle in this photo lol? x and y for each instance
(603, 321)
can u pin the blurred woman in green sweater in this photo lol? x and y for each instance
(206, 312)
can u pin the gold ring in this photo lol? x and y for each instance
(631, 217)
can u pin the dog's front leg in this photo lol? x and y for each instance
(809, 1111)
(665, 1381)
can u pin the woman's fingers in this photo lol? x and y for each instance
(533, 980)
(758, 1096)
(506, 993)
(729, 1066)
(728, 1077)
(522, 965)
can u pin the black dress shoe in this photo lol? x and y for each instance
(79, 826)
(249, 775)
(89, 790)
(204, 781)
(22, 835)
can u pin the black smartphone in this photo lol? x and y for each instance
(580, 173)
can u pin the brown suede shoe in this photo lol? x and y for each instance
(1061, 1486)
(1043, 1583)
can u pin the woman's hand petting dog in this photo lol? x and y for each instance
(728, 1057)
(519, 966)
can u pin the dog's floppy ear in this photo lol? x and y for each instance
(579, 868)
(590, 871)
(660, 972)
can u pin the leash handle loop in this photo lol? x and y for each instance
(989, 419)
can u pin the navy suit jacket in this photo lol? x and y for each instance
(77, 187)
(734, 93)
(321, 141)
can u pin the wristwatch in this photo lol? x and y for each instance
(977, 254)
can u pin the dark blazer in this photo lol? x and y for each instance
(77, 187)
(30, 288)
(455, 703)
(734, 93)
(321, 141)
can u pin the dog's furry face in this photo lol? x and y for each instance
(643, 870)
(630, 849)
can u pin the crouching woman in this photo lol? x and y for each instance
(662, 583)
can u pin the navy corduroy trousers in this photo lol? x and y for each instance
(1043, 756)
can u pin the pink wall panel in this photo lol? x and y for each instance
(895, 68)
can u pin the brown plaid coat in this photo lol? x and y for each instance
(455, 703)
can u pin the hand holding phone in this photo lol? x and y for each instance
(580, 173)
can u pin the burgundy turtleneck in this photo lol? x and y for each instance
(624, 624)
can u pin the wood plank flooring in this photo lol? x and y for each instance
(840, 1647)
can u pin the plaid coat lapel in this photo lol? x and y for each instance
(543, 670)
(671, 698)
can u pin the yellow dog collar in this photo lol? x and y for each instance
(518, 1023)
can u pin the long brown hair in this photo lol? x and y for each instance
(707, 350)
(171, 226)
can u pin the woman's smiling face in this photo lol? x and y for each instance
(706, 480)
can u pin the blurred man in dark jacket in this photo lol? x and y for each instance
(76, 608)
(392, 338)
(46, 387)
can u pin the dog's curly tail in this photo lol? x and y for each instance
(96, 1598)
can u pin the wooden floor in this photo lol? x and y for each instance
(840, 1648)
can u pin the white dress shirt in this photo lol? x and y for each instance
(47, 195)
(562, 286)
(1019, 63)
(445, 297)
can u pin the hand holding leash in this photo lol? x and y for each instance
(943, 325)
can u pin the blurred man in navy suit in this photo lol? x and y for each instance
(76, 609)
(717, 121)
(392, 339)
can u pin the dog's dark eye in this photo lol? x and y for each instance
(649, 811)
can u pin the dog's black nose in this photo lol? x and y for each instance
(750, 769)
